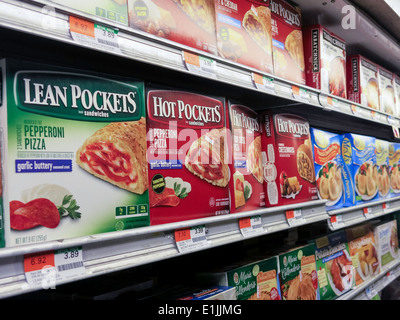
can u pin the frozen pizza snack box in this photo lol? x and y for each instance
(73, 153)
(382, 165)
(298, 274)
(246, 182)
(387, 99)
(394, 168)
(188, 155)
(287, 41)
(363, 81)
(396, 84)
(387, 242)
(244, 32)
(191, 23)
(325, 60)
(289, 174)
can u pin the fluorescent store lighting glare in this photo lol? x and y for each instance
(395, 5)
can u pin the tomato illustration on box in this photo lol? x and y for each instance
(188, 155)
(73, 151)
(246, 184)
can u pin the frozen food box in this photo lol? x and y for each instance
(325, 60)
(289, 174)
(358, 152)
(363, 81)
(334, 265)
(387, 99)
(247, 175)
(396, 84)
(298, 274)
(191, 23)
(394, 168)
(244, 33)
(287, 41)
(387, 242)
(74, 153)
(113, 10)
(188, 155)
(363, 252)
(214, 293)
(253, 280)
(328, 165)
(382, 165)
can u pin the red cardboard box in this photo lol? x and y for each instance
(289, 174)
(244, 32)
(287, 42)
(246, 183)
(363, 81)
(187, 22)
(325, 59)
(188, 155)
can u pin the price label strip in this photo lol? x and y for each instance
(337, 221)
(294, 217)
(199, 65)
(300, 94)
(44, 269)
(263, 83)
(94, 35)
(368, 212)
(251, 226)
(191, 239)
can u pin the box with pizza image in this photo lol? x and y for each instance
(387, 99)
(382, 165)
(328, 165)
(396, 84)
(252, 280)
(363, 81)
(387, 242)
(246, 183)
(363, 252)
(394, 168)
(358, 152)
(191, 23)
(298, 274)
(287, 41)
(74, 153)
(188, 155)
(289, 174)
(334, 265)
(325, 60)
(243, 29)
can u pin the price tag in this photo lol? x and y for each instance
(385, 207)
(337, 221)
(294, 217)
(94, 35)
(192, 239)
(200, 65)
(371, 292)
(44, 269)
(300, 94)
(367, 212)
(251, 226)
(264, 84)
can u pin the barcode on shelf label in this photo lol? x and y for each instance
(69, 263)
(251, 226)
(191, 239)
(199, 65)
(70, 266)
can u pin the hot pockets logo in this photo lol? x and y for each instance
(291, 126)
(77, 96)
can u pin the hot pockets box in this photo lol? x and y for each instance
(394, 168)
(325, 60)
(74, 153)
(396, 84)
(298, 274)
(289, 174)
(328, 165)
(191, 23)
(383, 170)
(287, 42)
(188, 155)
(387, 99)
(247, 175)
(363, 81)
(244, 32)
(358, 152)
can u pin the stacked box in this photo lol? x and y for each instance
(325, 60)
(73, 152)
(387, 242)
(387, 100)
(287, 42)
(247, 175)
(394, 168)
(244, 33)
(188, 155)
(186, 22)
(382, 164)
(396, 84)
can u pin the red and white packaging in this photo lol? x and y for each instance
(246, 183)
(244, 32)
(289, 174)
(188, 154)
(387, 100)
(325, 59)
(185, 22)
(363, 81)
(287, 42)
